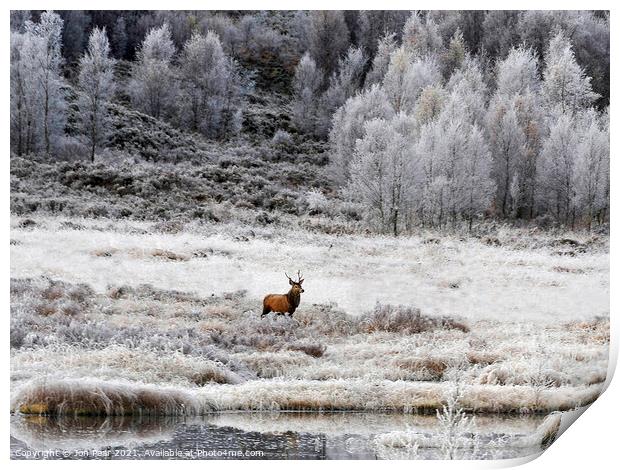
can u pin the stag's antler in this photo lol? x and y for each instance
(299, 278)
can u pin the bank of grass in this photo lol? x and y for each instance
(91, 396)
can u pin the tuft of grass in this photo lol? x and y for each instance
(104, 253)
(45, 309)
(596, 330)
(169, 255)
(311, 349)
(97, 398)
(405, 319)
(483, 358)
(429, 367)
(54, 292)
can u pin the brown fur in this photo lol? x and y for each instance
(284, 303)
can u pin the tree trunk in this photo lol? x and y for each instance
(506, 187)
(20, 131)
(395, 222)
(46, 123)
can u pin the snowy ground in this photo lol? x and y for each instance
(118, 317)
(526, 278)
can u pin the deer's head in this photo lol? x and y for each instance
(296, 285)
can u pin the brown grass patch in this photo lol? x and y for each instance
(407, 320)
(169, 255)
(211, 376)
(45, 309)
(596, 330)
(433, 366)
(98, 398)
(53, 292)
(564, 269)
(104, 252)
(482, 357)
(311, 349)
(212, 326)
(70, 308)
(120, 292)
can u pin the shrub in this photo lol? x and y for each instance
(282, 139)
(403, 319)
(316, 201)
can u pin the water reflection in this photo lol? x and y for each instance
(240, 436)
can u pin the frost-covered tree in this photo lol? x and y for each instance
(152, 86)
(536, 27)
(203, 74)
(382, 171)
(381, 61)
(211, 87)
(249, 27)
(565, 83)
(25, 96)
(405, 164)
(96, 87)
(264, 39)
(421, 35)
(430, 207)
(430, 104)
(377, 24)
(306, 87)
(454, 55)
(349, 122)
(181, 24)
(451, 156)
(238, 85)
(507, 142)
(557, 167)
(47, 34)
(467, 90)
(327, 38)
(455, 166)
(588, 32)
(447, 21)
(518, 86)
(407, 77)
(500, 31)
(592, 170)
(475, 174)
(518, 73)
(531, 117)
(224, 28)
(344, 83)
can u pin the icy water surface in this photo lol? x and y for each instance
(245, 436)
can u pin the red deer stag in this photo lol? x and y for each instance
(284, 303)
